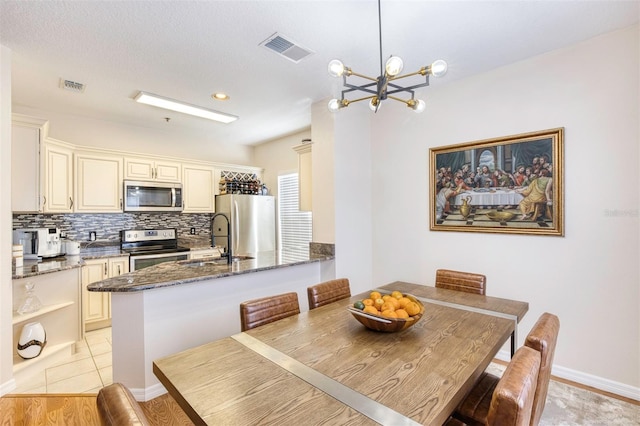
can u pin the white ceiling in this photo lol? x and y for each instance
(188, 50)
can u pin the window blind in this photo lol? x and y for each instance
(295, 226)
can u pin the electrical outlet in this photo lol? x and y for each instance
(193, 231)
(92, 236)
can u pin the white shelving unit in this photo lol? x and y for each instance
(60, 315)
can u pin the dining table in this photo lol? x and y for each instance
(323, 366)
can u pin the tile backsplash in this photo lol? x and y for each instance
(108, 226)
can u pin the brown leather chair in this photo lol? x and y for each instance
(461, 281)
(512, 399)
(328, 292)
(474, 409)
(117, 407)
(257, 312)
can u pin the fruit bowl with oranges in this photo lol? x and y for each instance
(389, 312)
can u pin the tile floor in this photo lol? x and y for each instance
(88, 370)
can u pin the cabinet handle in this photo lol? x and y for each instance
(119, 273)
(70, 203)
(120, 202)
(44, 200)
(155, 173)
(106, 272)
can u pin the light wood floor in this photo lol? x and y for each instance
(78, 409)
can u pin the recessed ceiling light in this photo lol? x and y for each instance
(173, 105)
(220, 96)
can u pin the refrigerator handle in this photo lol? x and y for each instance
(235, 221)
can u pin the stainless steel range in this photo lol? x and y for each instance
(148, 247)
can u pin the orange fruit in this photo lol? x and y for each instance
(401, 313)
(378, 303)
(396, 294)
(389, 314)
(412, 308)
(394, 302)
(375, 295)
(403, 301)
(370, 310)
(368, 302)
(387, 306)
(386, 297)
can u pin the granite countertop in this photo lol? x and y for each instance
(189, 271)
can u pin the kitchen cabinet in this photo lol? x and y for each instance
(98, 182)
(96, 306)
(60, 315)
(58, 178)
(26, 165)
(198, 188)
(138, 168)
(304, 175)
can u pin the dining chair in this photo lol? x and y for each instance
(118, 407)
(461, 281)
(514, 394)
(328, 292)
(542, 338)
(257, 312)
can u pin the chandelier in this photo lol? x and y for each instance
(385, 86)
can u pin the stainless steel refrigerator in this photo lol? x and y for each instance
(253, 223)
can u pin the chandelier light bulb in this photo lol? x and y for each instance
(374, 104)
(336, 68)
(334, 105)
(438, 68)
(394, 66)
(419, 106)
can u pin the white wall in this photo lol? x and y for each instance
(277, 157)
(590, 277)
(6, 305)
(105, 134)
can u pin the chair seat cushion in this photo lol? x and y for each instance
(474, 409)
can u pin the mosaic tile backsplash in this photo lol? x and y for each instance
(108, 226)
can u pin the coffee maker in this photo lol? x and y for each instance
(39, 242)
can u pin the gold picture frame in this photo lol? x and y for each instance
(511, 184)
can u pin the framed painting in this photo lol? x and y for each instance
(512, 184)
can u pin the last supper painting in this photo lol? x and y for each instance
(510, 184)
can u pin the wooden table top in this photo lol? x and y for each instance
(323, 365)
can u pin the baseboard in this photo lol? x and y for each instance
(586, 379)
(147, 394)
(7, 387)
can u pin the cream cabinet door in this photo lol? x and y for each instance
(95, 305)
(58, 179)
(198, 188)
(118, 266)
(98, 180)
(25, 168)
(144, 169)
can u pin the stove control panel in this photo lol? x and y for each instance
(134, 235)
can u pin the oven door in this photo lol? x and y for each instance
(137, 262)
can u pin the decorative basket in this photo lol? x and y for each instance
(387, 325)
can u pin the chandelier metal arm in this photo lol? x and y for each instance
(409, 89)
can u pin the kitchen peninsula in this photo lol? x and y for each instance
(172, 306)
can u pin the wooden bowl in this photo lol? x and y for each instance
(387, 325)
(501, 216)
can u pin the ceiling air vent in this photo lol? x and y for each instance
(72, 86)
(286, 47)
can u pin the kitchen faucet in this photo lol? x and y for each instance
(213, 244)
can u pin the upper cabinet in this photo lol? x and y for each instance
(304, 175)
(58, 178)
(198, 188)
(98, 182)
(138, 168)
(26, 165)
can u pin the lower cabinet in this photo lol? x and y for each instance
(96, 306)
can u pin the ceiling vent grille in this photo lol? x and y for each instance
(72, 86)
(286, 47)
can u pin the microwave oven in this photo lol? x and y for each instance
(140, 196)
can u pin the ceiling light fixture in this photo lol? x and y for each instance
(173, 105)
(383, 87)
(219, 96)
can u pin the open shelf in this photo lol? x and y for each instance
(18, 318)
